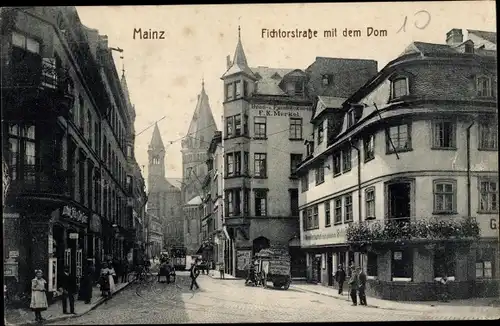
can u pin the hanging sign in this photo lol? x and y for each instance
(75, 214)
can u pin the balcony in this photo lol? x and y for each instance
(36, 180)
(403, 230)
(34, 87)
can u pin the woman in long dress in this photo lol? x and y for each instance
(38, 297)
(107, 273)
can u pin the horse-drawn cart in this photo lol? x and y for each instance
(274, 264)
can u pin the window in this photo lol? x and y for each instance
(309, 221)
(260, 127)
(245, 163)
(304, 182)
(315, 219)
(294, 202)
(488, 195)
(233, 202)
(81, 112)
(484, 263)
(237, 125)
(346, 159)
(98, 139)
(398, 138)
(21, 143)
(246, 201)
(370, 203)
(348, 208)
(351, 119)
(260, 169)
(229, 127)
(245, 88)
(336, 164)
(260, 202)
(371, 264)
(296, 128)
(49, 73)
(295, 160)
(444, 261)
(89, 128)
(229, 92)
(328, 219)
(443, 134)
(327, 80)
(245, 125)
(369, 148)
(337, 217)
(399, 87)
(321, 132)
(238, 90)
(25, 43)
(320, 173)
(488, 136)
(483, 86)
(299, 88)
(444, 196)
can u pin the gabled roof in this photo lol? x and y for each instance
(267, 85)
(488, 36)
(156, 142)
(327, 102)
(202, 126)
(427, 48)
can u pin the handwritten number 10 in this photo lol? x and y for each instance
(421, 22)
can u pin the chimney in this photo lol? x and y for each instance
(454, 37)
(228, 62)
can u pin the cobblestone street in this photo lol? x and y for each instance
(230, 301)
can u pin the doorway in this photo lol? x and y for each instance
(329, 268)
(259, 244)
(399, 195)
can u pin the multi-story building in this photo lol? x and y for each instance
(65, 128)
(154, 235)
(164, 198)
(213, 236)
(193, 212)
(267, 115)
(407, 184)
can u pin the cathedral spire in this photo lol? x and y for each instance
(239, 64)
(156, 142)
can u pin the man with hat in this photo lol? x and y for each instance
(354, 285)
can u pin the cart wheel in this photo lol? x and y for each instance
(287, 285)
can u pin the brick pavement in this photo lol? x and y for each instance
(473, 307)
(54, 312)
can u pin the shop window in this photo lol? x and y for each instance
(402, 264)
(484, 263)
(371, 264)
(444, 262)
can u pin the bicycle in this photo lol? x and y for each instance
(141, 276)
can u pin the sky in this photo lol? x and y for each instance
(164, 76)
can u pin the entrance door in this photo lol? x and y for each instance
(329, 268)
(399, 200)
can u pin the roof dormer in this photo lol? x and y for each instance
(294, 83)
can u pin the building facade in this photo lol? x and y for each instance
(193, 212)
(407, 184)
(65, 134)
(154, 235)
(267, 114)
(164, 198)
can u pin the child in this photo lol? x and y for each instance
(38, 297)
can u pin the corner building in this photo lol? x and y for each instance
(407, 184)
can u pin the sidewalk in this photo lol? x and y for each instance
(54, 312)
(478, 307)
(215, 274)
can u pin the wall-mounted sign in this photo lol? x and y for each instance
(493, 224)
(338, 236)
(10, 268)
(243, 259)
(266, 110)
(13, 254)
(73, 235)
(398, 255)
(75, 214)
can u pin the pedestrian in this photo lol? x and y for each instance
(87, 281)
(221, 270)
(38, 297)
(124, 270)
(340, 278)
(362, 287)
(108, 282)
(117, 265)
(68, 288)
(194, 273)
(353, 286)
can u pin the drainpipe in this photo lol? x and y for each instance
(469, 208)
(359, 187)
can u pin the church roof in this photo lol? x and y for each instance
(239, 64)
(202, 127)
(156, 141)
(195, 201)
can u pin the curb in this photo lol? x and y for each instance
(60, 318)
(333, 296)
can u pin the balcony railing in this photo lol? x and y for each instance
(37, 179)
(398, 229)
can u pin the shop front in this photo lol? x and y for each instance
(94, 242)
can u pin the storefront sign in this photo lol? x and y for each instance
(13, 254)
(398, 255)
(95, 223)
(73, 235)
(493, 224)
(10, 215)
(265, 110)
(243, 257)
(338, 236)
(10, 268)
(75, 214)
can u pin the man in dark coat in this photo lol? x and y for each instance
(87, 282)
(117, 265)
(354, 286)
(69, 288)
(362, 287)
(340, 278)
(193, 273)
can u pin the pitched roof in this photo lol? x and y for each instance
(427, 48)
(488, 36)
(156, 141)
(202, 126)
(268, 83)
(240, 63)
(328, 102)
(195, 201)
